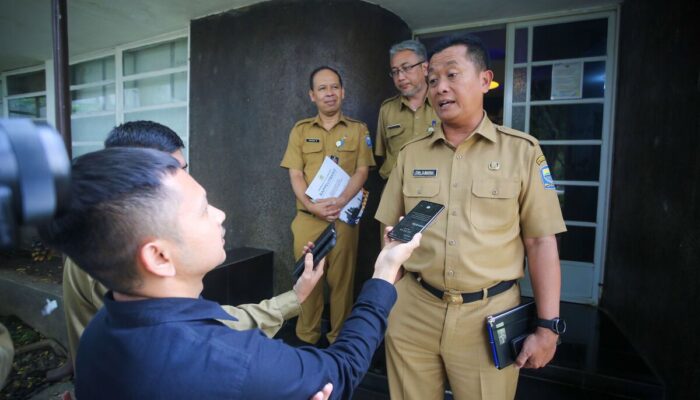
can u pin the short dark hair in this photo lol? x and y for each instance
(148, 134)
(319, 69)
(117, 200)
(477, 51)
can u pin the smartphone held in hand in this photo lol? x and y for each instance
(417, 220)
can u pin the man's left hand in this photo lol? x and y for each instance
(538, 349)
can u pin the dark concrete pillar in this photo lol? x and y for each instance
(248, 85)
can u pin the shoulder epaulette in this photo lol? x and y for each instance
(357, 121)
(517, 133)
(392, 98)
(304, 121)
(414, 140)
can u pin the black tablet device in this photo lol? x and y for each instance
(422, 215)
(507, 332)
(322, 245)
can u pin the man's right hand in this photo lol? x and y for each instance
(325, 209)
(393, 255)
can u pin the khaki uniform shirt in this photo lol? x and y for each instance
(397, 125)
(309, 143)
(496, 189)
(82, 298)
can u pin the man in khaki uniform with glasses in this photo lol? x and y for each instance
(347, 142)
(500, 205)
(408, 115)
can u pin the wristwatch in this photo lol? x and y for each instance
(557, 325)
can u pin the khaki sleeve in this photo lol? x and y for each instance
(379, 148)
(82, 298)
(292, 156)
(391, 205)
(7, 353)
(364, 152)
(268, 315)
(540, 212)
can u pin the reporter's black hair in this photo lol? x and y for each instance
(117, 200)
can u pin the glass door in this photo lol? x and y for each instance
(559, 89)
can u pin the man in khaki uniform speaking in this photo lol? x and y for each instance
(83, 295)
(347, 142)
(408, 115)
(500, 205)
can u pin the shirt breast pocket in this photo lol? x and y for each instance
(415, 190)
(347, 153)
(494, 203)
(393, 138)
(312, 152)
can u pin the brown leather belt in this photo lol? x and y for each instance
(461, 298)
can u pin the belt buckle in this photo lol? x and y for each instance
(452, 298)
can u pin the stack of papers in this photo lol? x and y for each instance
(330, 181)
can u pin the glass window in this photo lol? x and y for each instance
(567, 121)
(80, 149)
(27, 107)
(518, 120)
(570, 40)
(93, 99)
(91, 129)
(155, 57)
(577, 244)
(92, 71)
(157, 90)
(29, 82)
(573, 163)
(174, 118)
(521, 45)
(578, 203)
(593, 81)
(519, 84)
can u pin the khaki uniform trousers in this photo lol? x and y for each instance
(428, 340)
(339, 273)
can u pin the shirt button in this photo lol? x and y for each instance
(454, 184)
(453, 213)
(459, 157)
(450, 273)
(420, 191)
(451, 242)
(494, 192)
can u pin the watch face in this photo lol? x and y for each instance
(559, 326)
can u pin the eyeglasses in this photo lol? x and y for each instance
(396, 71)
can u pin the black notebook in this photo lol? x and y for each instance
(508, 330)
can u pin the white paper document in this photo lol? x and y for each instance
(330, 181)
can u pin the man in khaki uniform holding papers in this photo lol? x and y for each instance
(500, 205)
(408, 115)
(347, 142)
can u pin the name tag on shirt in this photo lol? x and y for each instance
(424, 173)
(313, 140)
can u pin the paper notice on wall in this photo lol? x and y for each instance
(567, 81)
